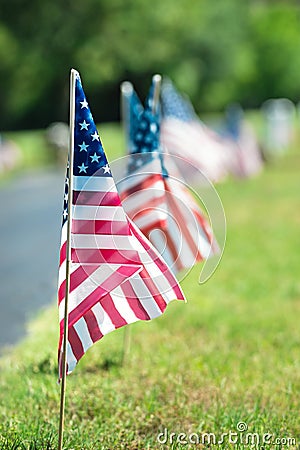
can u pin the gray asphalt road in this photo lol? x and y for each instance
(30, 217)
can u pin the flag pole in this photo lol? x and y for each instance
(126, 91)
(68, 260)
(156, 80)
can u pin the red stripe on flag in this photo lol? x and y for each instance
(76, 278)
(85, 304)
(63, 253)
(100, 227)
(149, 207)
(159, 224)
(154, 290)
(94, 297)
(92, 325)
(110, 309)
(95, 198)
(169, 241)
(182, 221)
(159, 262)
(103, 256)
(134, 302)
(204, 225)
(173, 250)
(151, 179)
(75, 343)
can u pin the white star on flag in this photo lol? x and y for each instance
(95, 157)
(84, 104)
(83, 146)
(95, 136)
(106, 168)
(84, 125)
(82, 168)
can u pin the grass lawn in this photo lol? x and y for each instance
(230, 355)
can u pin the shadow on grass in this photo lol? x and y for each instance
(45, 366)
(49, 366)
(106, 365)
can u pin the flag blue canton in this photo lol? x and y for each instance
(175, 105)
(66, 194)
(89, 156)
(135, 111)
(144, 131)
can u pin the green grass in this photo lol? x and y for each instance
(37, 152)
(33, 146)
(230, 354)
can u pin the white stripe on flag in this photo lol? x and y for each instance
(102, 184)
(183, 250)
(88, 286)
(142, 173)
(122, 305)
(104, 322)
(82, 212)
(82, 330)
(157, 277)
(140, 198)
(71, 360)
(203, 243)
(145, 220)
(145, 297)
(158, 240)
(101, 242)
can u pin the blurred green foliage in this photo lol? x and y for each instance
(216, 52)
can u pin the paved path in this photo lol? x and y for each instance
(30, 216)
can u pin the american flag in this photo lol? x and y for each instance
(116, 276)
(159, 204)
(131, 110)
(144, 182)
(248, 159)
(183, 134)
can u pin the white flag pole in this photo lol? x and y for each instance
(68, 260)
(156, 80)
(126, 91)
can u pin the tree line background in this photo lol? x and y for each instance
(216, 51)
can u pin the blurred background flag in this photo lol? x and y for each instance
(142, 189)
(131, 108)
(116, 276)
(246, 153)
(160, 204)
(184, 135)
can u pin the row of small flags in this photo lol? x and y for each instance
(118, 239)
(232, 152)
(122, 246)
(125, 246)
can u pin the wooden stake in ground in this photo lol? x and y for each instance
(126, 91)
(68, 260)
